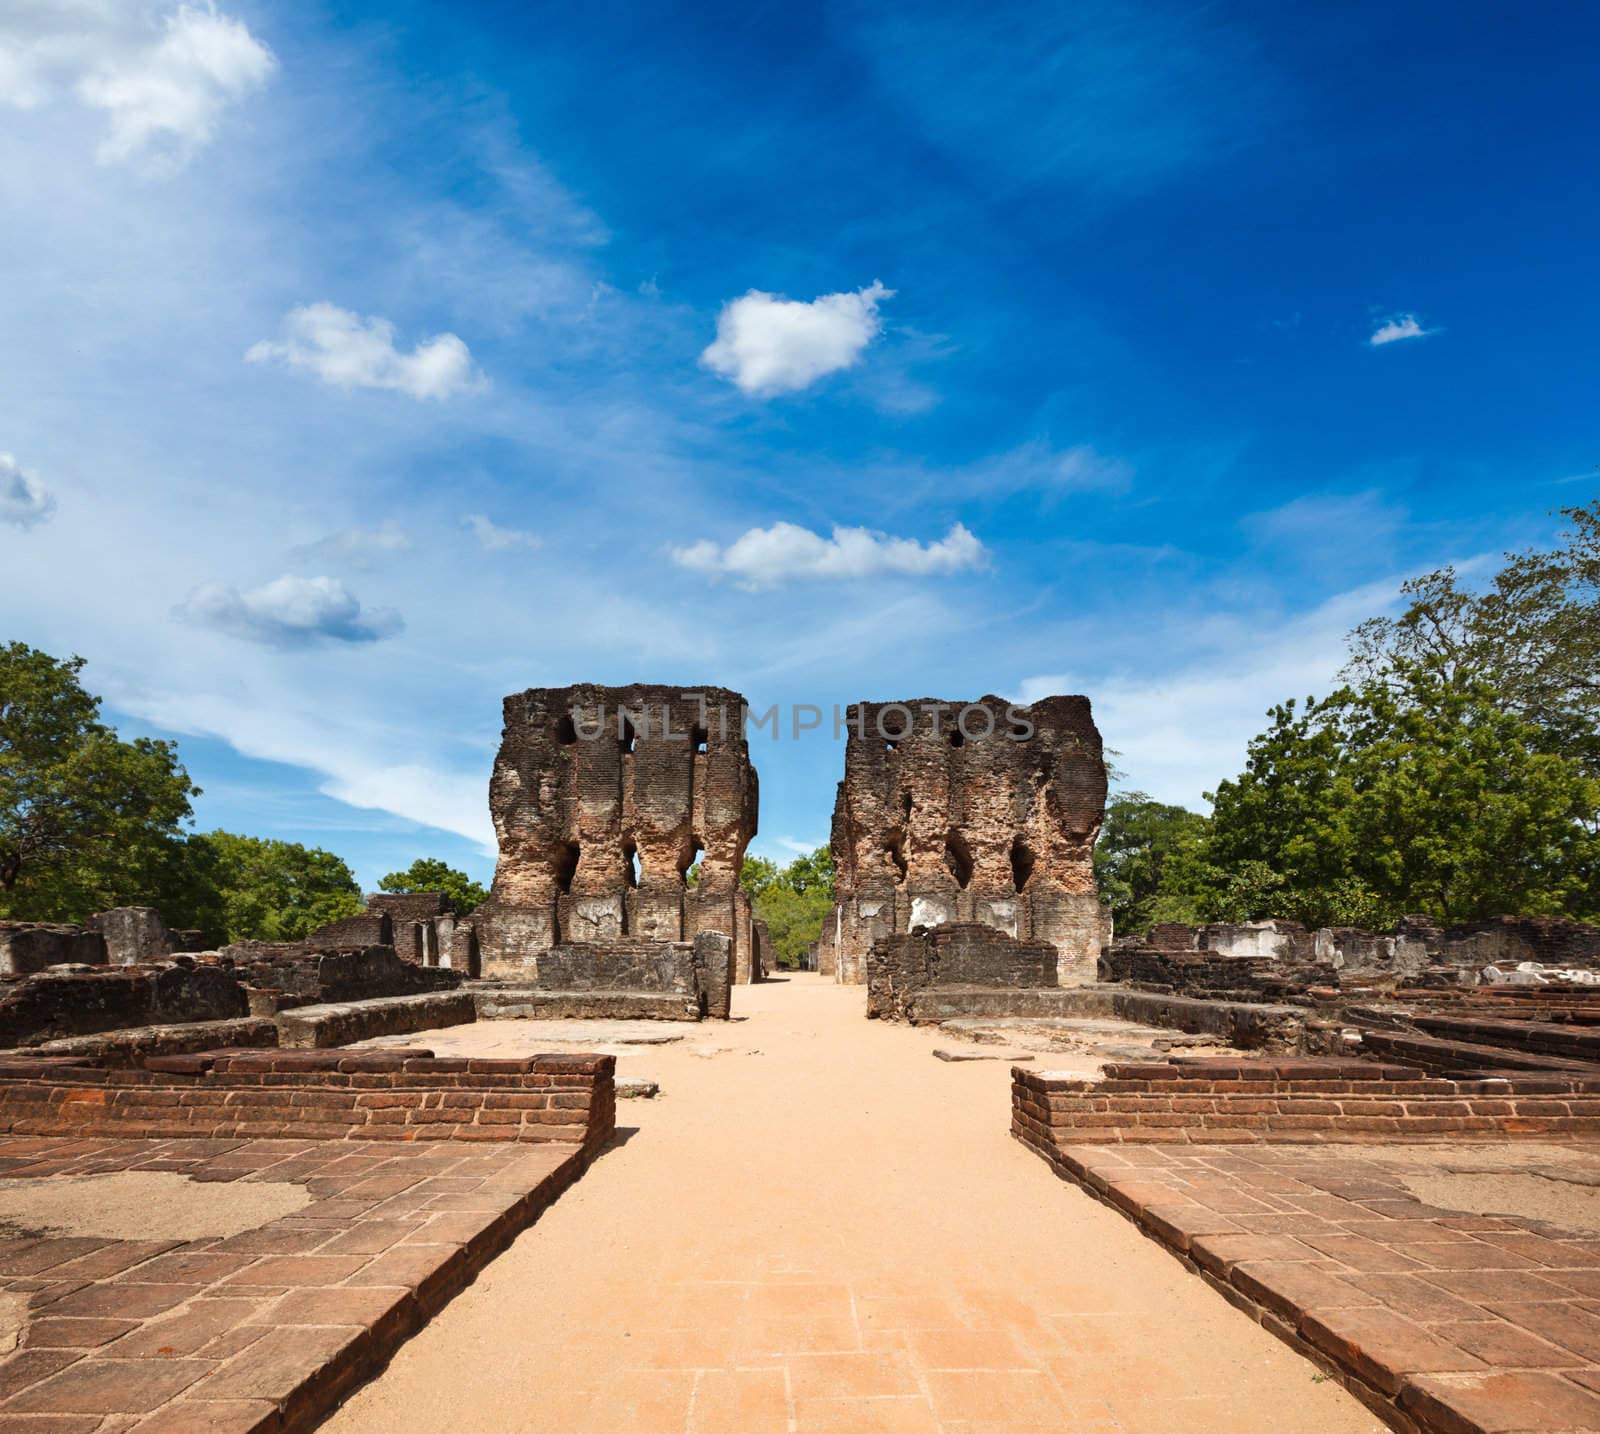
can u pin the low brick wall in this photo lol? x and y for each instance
(134, 1046)
(314, 1095)
(1215, 1102)
(342, 1023)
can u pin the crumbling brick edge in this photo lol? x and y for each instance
(1286, 1321)
(361, 1361)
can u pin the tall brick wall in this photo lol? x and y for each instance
(602, 799)
(934, 824)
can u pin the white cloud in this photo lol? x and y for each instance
(1041, 467)
(765, 557)
(356, 544)
(346, 350)
(162, 83)
(1393, 330)
(24, 500)
(492, 538)
(289, 612)
(768, 345)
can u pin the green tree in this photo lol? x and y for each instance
(794, 901)
(1148, 861)
(87, 820)
(1531, 636)
(275, 890)
(427, 874)
(1416, 792)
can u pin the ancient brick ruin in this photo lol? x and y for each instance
(980, 813)
(622, 814)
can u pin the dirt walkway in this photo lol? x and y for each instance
(818, 1226)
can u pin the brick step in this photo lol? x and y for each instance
(1540, 1037)
(533, 1002)
(1435, 1054)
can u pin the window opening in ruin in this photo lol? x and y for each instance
(700, 737)
(689, 862)
(889, 744)
(958, 738)
(1021, 863)
(958, 858)
(894, 852)
(630, 856)
(566, 731)
(628, 736)
(566, 865)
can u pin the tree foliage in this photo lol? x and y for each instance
(1415, 792)
(1148, 861)
(793, 900)
(87, 820)
(274, 890)
(1531, 637)
(429, 874)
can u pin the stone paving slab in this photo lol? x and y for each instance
(261, 1332)
(1436, 1320)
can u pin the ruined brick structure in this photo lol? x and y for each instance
(937, 822)
(603, 798)
(953, 959)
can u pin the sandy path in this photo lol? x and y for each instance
(821, 1227)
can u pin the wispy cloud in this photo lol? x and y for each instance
(767, 344)
(1183, 729)
(161, 92)
(492, 538)
(767, 557)
(1398, 328)
(1040, 466)
(348, 351)
(289, 612)
(24, 500)
(356, 544)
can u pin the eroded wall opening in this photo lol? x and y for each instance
(958, 858)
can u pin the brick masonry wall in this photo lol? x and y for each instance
(315, 1095)
(1304, 1101)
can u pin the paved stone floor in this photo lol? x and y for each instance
(260, 1330)
(818, 1226)
(1464, 1321)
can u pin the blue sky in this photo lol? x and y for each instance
(364, 363)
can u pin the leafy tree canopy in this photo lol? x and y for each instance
(275, 890)
(1148, 861)
(1414, 792)
(1532, 637)
(793, 900)
(427, 874)
(87, 821)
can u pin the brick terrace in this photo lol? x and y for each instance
(266, 1330)
(1223, 1101)
(1436, 1320)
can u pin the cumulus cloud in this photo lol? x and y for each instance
(767, 344)
(349, 351)
(492, 538)
(162, 79)
(24, 500)
(1393, 330)
(289, 612)
(766, 557)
